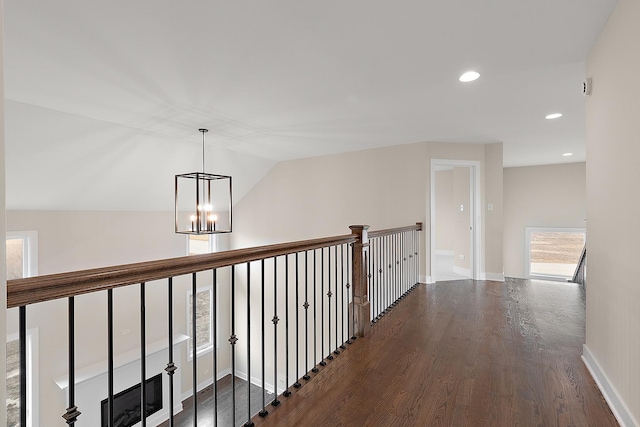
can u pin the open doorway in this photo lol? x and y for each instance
(454, 220)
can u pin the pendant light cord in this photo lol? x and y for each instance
(203, 132)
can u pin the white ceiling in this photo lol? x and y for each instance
(104, 98)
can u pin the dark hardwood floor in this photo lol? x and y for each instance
(460, 353)
(225, 419)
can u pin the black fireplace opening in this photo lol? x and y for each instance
(126, 404)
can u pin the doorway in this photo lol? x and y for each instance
(455, 233)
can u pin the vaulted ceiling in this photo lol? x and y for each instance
(104, 98)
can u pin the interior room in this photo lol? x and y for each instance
(234, 211)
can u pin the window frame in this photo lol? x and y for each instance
(528, 231)
(212, 245)
(29, 250)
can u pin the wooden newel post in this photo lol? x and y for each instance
(360, 306)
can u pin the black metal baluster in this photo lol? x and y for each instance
(315, 327)
(342, 305)
(322, 362)
(215, 346)
(416, 253)
(286, 392)
(405, 265)
(194, 358)
(376, 278)
(353, 301)
(306, 376)
(275, 321)
(411, 260)
(171, 367)
(264, 411)
(398, 269)
(402, 261)
(72, 411)
(380, 275)
(22, 320)
(249, 423)
(395, 270)
(297, 383)
(370, 289)
(335, 257)
(233, 339)
(330, 356)
(389, 274)
(143, 358)
(110, 357)
(372, 281)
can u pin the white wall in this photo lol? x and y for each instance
(385, 187)
(79, 240)
(613, 210)
(540, 196)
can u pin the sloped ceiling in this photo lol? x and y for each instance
(104, 99)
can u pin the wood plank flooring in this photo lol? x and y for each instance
(225, 419)
(460, 353)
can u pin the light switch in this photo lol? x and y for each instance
(490, 206)
(461, 208)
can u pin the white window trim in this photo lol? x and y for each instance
(33, 374)
(29, 250)
(527, 250)
(213, 243)
(209, 347)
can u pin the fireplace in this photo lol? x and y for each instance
(126, 404)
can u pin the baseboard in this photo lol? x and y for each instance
(426, 279)
(495, 277)
(462, 271)
(444, 252)
(617, 405)
(256, 381)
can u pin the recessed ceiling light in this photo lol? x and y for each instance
(568, 154)
(469, 76)
(552, 116)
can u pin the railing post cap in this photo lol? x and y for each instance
(356, 228)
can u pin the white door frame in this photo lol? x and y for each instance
(476, 213)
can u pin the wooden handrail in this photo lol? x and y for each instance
(21, 292)
(63, 285)
(389, 231)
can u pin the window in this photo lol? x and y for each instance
(554, 253)
(13, 379)
(22, 261)
(201, 244)
(22, 254)
(204, 331)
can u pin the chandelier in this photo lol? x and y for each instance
(203, 201)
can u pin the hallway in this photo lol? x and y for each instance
(460, 353)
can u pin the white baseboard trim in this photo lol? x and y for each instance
(426, 279)
(462, 271)
(496, 277)
(444, 252)
(256, 381)
(617, 405)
